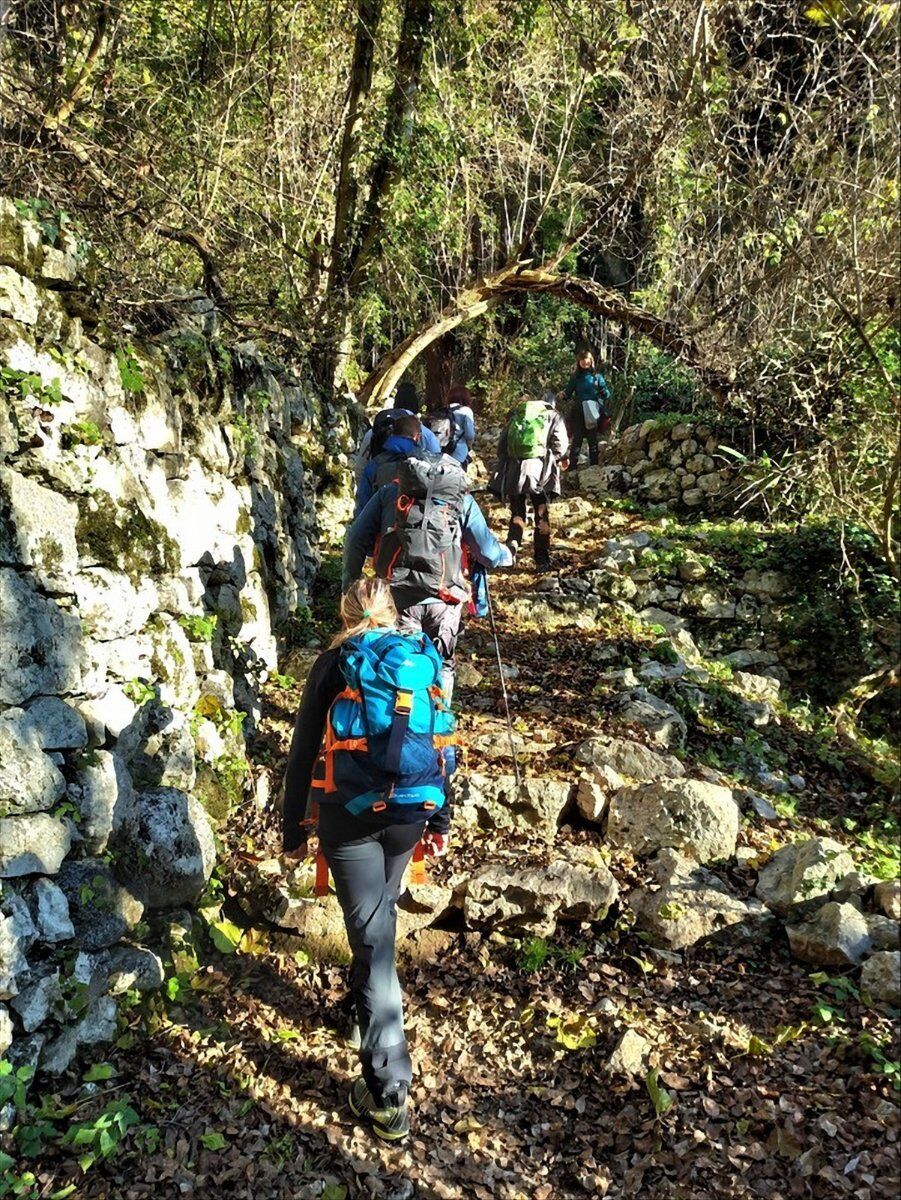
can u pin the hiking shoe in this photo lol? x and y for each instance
(391, 1123)
(544, 564)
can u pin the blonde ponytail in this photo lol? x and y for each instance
(367, 604)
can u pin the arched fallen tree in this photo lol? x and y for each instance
(487, 293)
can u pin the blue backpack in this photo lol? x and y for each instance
(390, 739)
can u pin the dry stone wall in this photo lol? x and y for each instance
(659, 462)
(159, 506)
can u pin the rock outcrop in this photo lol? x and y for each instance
(158, 528)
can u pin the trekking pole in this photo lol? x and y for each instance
(500, 671)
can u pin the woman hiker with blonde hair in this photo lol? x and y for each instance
(374, 700)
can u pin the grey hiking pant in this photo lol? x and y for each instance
(442, 623)
(367, 870)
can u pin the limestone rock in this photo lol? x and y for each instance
(132, 967)
(664, 724)
(112, 712)
(707, 604)
(798, 874)
(171, 845)
(767, 585)
(158, 748)
(319, 924)
(37, 530)
(105, 797)
(111, 606)
(6, 1030)
(532, 898)
(421, 906)
(836, 935)
(40, 643)
(630, 1055)
(682, 814)
(691, 568)
(34, 1003)
(59, 1054)
(758, 687)
(631, 759)
(20, 239)
(881, 977)
(537, 809)
(19, 298)
(51, 911)
(32, 844)
(592, 796)
(885, 934)
(469, 676)
(667, 620)
(888, 896)
(56, 724)
(692, 905)
(29, 782)
(15, 940)
(103, 910)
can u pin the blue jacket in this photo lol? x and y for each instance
(587, 385)
(378, 516)
(397, 447)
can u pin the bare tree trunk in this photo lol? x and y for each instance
(369, 13)
(355, 244)
(386, 169)
(488, 292)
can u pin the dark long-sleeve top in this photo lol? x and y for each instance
(586, 384)
(324, 682)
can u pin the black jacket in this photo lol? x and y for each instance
(324, 682)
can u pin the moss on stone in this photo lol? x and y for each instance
(51, 553)
(220, 787)
(124, 538)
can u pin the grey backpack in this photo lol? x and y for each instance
(421, 551)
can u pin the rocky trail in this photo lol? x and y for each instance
(602, 997)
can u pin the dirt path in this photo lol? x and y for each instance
(238, 1081)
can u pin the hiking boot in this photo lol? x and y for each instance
(543, 565)
(390, 1123)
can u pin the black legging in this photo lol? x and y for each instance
(367, 867)
(578, 434)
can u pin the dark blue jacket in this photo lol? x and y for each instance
(378, 516)
(396, 449)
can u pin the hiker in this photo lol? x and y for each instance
(404, 441)
(422, 529)
(531, 454)
(383, 794)
(405, 403)
(454, 424)
(586, 417)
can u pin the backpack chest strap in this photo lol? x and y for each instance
(400, 723)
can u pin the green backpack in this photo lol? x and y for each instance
(528, 429)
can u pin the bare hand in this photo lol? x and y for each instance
(435, 845)
(292, 859)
